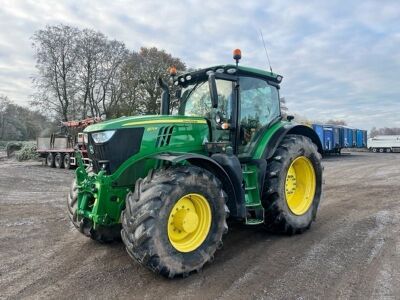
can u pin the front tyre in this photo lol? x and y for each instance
(174, 221)
(293, 185)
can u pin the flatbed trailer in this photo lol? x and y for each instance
(59, 150)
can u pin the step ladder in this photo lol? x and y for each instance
(254, 209)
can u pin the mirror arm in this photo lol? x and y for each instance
(213, 90)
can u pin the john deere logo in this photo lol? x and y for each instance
(91, 150)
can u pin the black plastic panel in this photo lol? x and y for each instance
(111, 154)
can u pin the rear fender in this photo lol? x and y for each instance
(278, 136)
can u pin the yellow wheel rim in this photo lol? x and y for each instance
(300, 185)
(189, 222)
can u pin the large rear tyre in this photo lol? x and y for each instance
(101, 234)
(293, 186)
(174, 221)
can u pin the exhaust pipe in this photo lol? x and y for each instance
(164, 96)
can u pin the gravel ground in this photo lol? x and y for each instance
(352, 251)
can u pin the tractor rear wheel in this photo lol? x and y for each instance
(293, 186)
(174, 220)
(85, 226)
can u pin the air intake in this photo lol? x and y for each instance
(164, 136)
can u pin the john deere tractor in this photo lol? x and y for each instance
(167, 184)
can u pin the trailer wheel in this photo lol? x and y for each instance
(50, 160)
(388, 150)
(381, 150)
(374, 150)
(59, 161)
(293, 186)
(67, 161)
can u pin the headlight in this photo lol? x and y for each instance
(102, 136)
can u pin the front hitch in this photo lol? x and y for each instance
(98, 201)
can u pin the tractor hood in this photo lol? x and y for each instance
(144, 121)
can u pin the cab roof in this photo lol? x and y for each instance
(229, 69)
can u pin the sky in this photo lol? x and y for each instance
(339, 59)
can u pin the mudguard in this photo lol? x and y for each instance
(278, 136)
(235, 202)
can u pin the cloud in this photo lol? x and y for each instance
(339, 59)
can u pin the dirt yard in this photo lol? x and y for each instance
(352, 251)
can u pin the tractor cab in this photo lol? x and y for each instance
(238, 103)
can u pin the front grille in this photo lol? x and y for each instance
(111, 154)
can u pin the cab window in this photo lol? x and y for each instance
(196, 101)
(259, 103)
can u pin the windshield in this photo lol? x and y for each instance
(196, 100)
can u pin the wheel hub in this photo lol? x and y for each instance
(185, 220)
(189, 222)
(300, 185)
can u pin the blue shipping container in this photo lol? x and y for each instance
(336, 137)
(344, 137)
(328, 139)
(354, 131)
(319, 130)
(365, 137)
(349, 138)
(359, 140)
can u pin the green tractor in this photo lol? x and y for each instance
(168, 184)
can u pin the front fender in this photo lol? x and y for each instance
(235, 201)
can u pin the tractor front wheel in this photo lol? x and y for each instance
(293, 186)
(174, 220)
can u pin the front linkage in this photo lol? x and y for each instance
(98, 219)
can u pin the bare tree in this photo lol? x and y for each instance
(56, 55)
(109, 90)
(155, 63)
(384, 131)
(82, 73)
(336, 122)
(4, 103)
(20, 123)
(91, 53)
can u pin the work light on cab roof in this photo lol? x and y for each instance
(237, 55)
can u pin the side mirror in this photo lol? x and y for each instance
(289, 118)
(213, 90)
